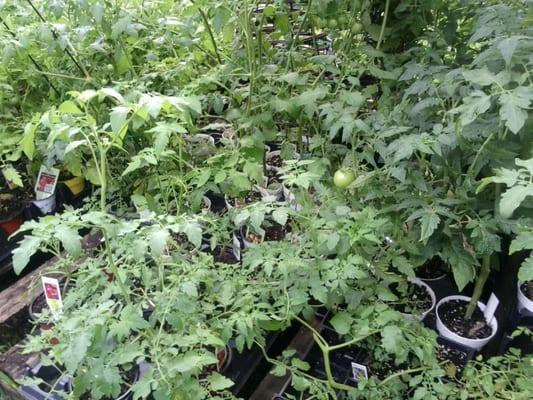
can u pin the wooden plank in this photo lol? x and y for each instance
(8, 388)
(19, 295)
(302, 343)
(15, 364)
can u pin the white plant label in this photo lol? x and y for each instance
(491, 308)
(359, 371)
(46, 182)
(236, 247)
(52, 292)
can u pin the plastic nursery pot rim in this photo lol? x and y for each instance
(12, 223)
(524, 303)
(419, 282)
(76, 185)
(449, 334)
(274, 153)
(438, 278)
(269, 192)
(46, 205)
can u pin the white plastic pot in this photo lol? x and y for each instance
(272, 154)
(525, 305)
(46, 206)
(291, 199)
(437, 279)
(270, 193)
(419, 282)
(443, 330)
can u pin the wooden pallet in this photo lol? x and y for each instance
(14, 300)
(302, 343)
(19, 295)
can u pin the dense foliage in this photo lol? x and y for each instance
(425, 105)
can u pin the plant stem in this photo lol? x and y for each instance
(478, 289)
(56, 37)
(114, 268)
(35, 64)
(295, 37)
(103, 198)
(211, 36)
(382, 32)
(353, 341)
(400, 373)
(327, 367)
(480, 150)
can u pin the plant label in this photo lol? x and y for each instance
(46, 182)
(52, 293)
(359, 371)
(236, 247)
(491, 307)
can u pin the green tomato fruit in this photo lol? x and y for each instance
(110, 68)
(332, 23)
(357, 27)
(343, 178)
(343, 20)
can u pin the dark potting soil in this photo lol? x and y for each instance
(225, 255)
(250, 198)
(275, 161)
(272, 175)
(379, 369)
(415, 300)
(275, 232)
(527, 289)
(452, 314)
(455, 360)
(432, 269)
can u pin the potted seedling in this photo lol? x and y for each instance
(433, 270)
(525, 297)
(272, 232)
(463, 319)
(417, 299)
(240, 202)
(455, 323)
(45, 382)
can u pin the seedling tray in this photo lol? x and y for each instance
(250, 367)
(48, 374)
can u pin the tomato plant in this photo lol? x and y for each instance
(201, 123)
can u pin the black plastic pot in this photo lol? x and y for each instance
(47, 374)
(249, 368)
(218, 203)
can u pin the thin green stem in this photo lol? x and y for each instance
(384, 24)
(319, 339)
(480, 284)
(211, 35)
(295, 37)
(353, 341)
(401, 373)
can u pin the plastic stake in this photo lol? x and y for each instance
(491, 308)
